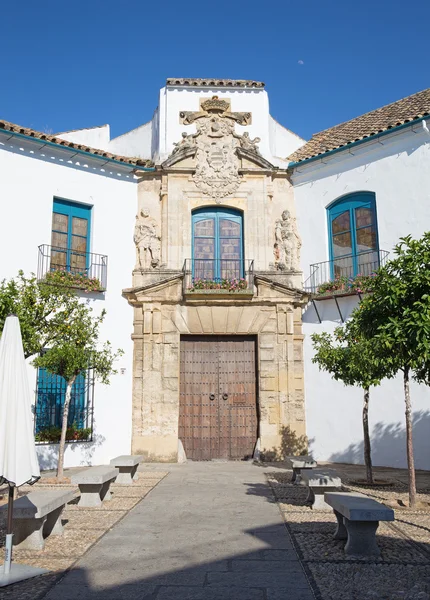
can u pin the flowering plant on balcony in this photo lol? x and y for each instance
(73, 434)
(360, 284)
(76, 280)
(226, 285)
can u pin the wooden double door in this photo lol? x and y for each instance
(218, 399)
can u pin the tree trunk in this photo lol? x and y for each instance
(60, 465)
(367, 449)
(409, 442)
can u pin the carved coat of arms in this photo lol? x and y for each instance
(214, 145)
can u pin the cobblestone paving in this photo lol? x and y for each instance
(209, 531)
(404, 564)
(83, 527)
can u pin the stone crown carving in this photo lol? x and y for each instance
(215, 104)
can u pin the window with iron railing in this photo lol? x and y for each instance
(353, 234)
(68, 259)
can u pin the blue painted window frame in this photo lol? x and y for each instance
(73, 209)
(215, 213)
(350, 203)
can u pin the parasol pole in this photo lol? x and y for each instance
(9, 534)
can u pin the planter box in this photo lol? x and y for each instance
(219, 293)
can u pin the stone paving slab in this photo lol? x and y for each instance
(82, 529)
(171, 593)
(209, 531)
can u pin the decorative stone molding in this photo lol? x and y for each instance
(198, 82)
(217, 148)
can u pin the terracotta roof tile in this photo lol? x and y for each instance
(374, 122)
(138, 162)
(214, 82)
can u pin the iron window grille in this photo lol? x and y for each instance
(48, 410)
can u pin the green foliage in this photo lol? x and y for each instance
(42, 310)
(53, 434)
(74, 280)
(348, 356)
(79, 349)
(396, 317)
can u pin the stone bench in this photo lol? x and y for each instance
(298, 463)
(38, 515)
(320, 481)
(127, 467)
(357, 521)
(94, 484)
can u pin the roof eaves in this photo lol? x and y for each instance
(80, 148)
(365, 138)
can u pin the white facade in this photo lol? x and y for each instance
(32, 174)
(155, 140)
(396, 167)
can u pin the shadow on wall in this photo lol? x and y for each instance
(47, 454)
(389, 445)
(328, 311)
(291, 445)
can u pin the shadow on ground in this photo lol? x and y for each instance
(272, 572)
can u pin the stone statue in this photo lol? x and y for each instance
(147, 240)
(247, 144)
(287, 243)
(187, 141)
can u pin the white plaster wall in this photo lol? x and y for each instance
(155, 139)
(173, 100)
(27, 188)
(283, 142)
(136, 143)
(96, 137)
(397, 169)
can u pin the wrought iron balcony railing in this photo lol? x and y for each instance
(345, 275)
(213, 276)
(82, 270)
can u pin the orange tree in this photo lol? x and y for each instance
(78, 351)
(395, 318)
(43, 310)
(350, 358)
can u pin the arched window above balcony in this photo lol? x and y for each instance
(217, 244)
(353, 235)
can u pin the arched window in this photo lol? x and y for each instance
(217, 244)
(353, 235)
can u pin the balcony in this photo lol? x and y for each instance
(220, 277)
(345, 276)
(80, 270)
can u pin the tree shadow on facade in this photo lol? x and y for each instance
(47, 454)
(389, 444)
(291, 445)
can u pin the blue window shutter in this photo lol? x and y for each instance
(353, 235)
(217, 244)
(71, 235)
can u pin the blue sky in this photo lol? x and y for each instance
(67, 65)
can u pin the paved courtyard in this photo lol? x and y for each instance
(208, 531)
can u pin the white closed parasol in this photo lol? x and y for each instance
(18, 459)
